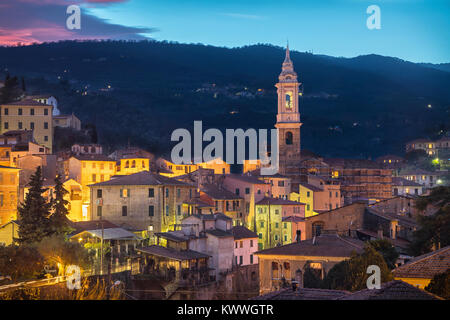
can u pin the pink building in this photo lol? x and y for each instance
(245, 246)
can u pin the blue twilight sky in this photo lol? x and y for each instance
(415, 30)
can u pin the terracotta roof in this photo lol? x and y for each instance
(425, 266)
(321, 246)
(171, 253)
(216, 192)
(399, 181)
(219, 233)
(311, 187)
(393, 290)
(81, 226)
(278, 201)
(246, 178)
(28, 102)
(240, 232)
(177, 236)
(143, 178)
(303, 294)
(293, 219)
(199, 203)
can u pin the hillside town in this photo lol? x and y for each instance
(206, 231)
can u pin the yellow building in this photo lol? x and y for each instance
(9, 193)
(174, 170)
(29, 115)
(5, 155)
(132, 165)
(218, 165)
(8, 232)
(86, 170)
(251, 165)
(420, 270)
(306, 196)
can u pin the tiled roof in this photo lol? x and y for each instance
(199, 203)
(278, 201)
(80, 226)
(177, 236)
(303, 294)
(293, 219)
(425, 266)
(171, 253)
(218, 193)
(219, 233)
(311, 187)
(93, 157)
(143, 178)
(240, 232)
(28, 102)
(6, 167)
(399, 181)
(246, 178)
(321, 246)
(393, 290)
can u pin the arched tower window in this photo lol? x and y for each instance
(289, 137)
(133, 164)
(127, 164)
(288, 100)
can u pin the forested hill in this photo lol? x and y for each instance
(138, 92)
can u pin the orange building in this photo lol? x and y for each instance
(9, 193)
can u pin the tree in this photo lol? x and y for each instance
(33, 220)
(311, 277)
(387, 250)
(58, 219)
(23, 84)
(434, 230)
(20, 262)
(352, 274)
(440, 285)
(60, 253)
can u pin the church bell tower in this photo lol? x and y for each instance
(288, 118)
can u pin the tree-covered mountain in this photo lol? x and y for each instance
(138, 92)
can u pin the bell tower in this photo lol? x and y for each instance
(288, 118)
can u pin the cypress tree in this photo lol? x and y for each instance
(34, 212)
(58, 219)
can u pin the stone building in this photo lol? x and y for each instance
(145, 201)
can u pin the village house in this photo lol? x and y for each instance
(67, 121)
(420, 270)
(29, 115)
(9, 193)
(404, 187)
(251, 189)
(425, 178)
(9, 233)
(271, 227)
(146, 201)
(245, 246)
(284, 264)
(88, 169)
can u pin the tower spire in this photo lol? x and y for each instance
(287, 58)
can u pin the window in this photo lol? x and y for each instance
(45, 112)
(124, 193)
(94, 177)
(102, 177)
(20, 125)
(285, 225)
(276, 224)
(260, 236)
(331, 194)
(19, 112)
(307, 207)
(251, 259)
(31, 112)
(45, 138)
(289, 138)
(281, 183)
(102, 166)
(179, 210)
(167, 192)
(151, 211)
(241, 260)
(99, 211)
(308, 194)
(337, 196)
(167, 210)
(133, 164)
(6, 125)
(241, 244)
(235, 260)
(124, 211)
(178, 193)
(247, 190)
(276, 237)
(285, 237)
(99, 193)
(277, 211)
(6, 111)
(32, 125)
(236, 244)
(237, 192)
(151, 193)
(262, 224)
(251, 243)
